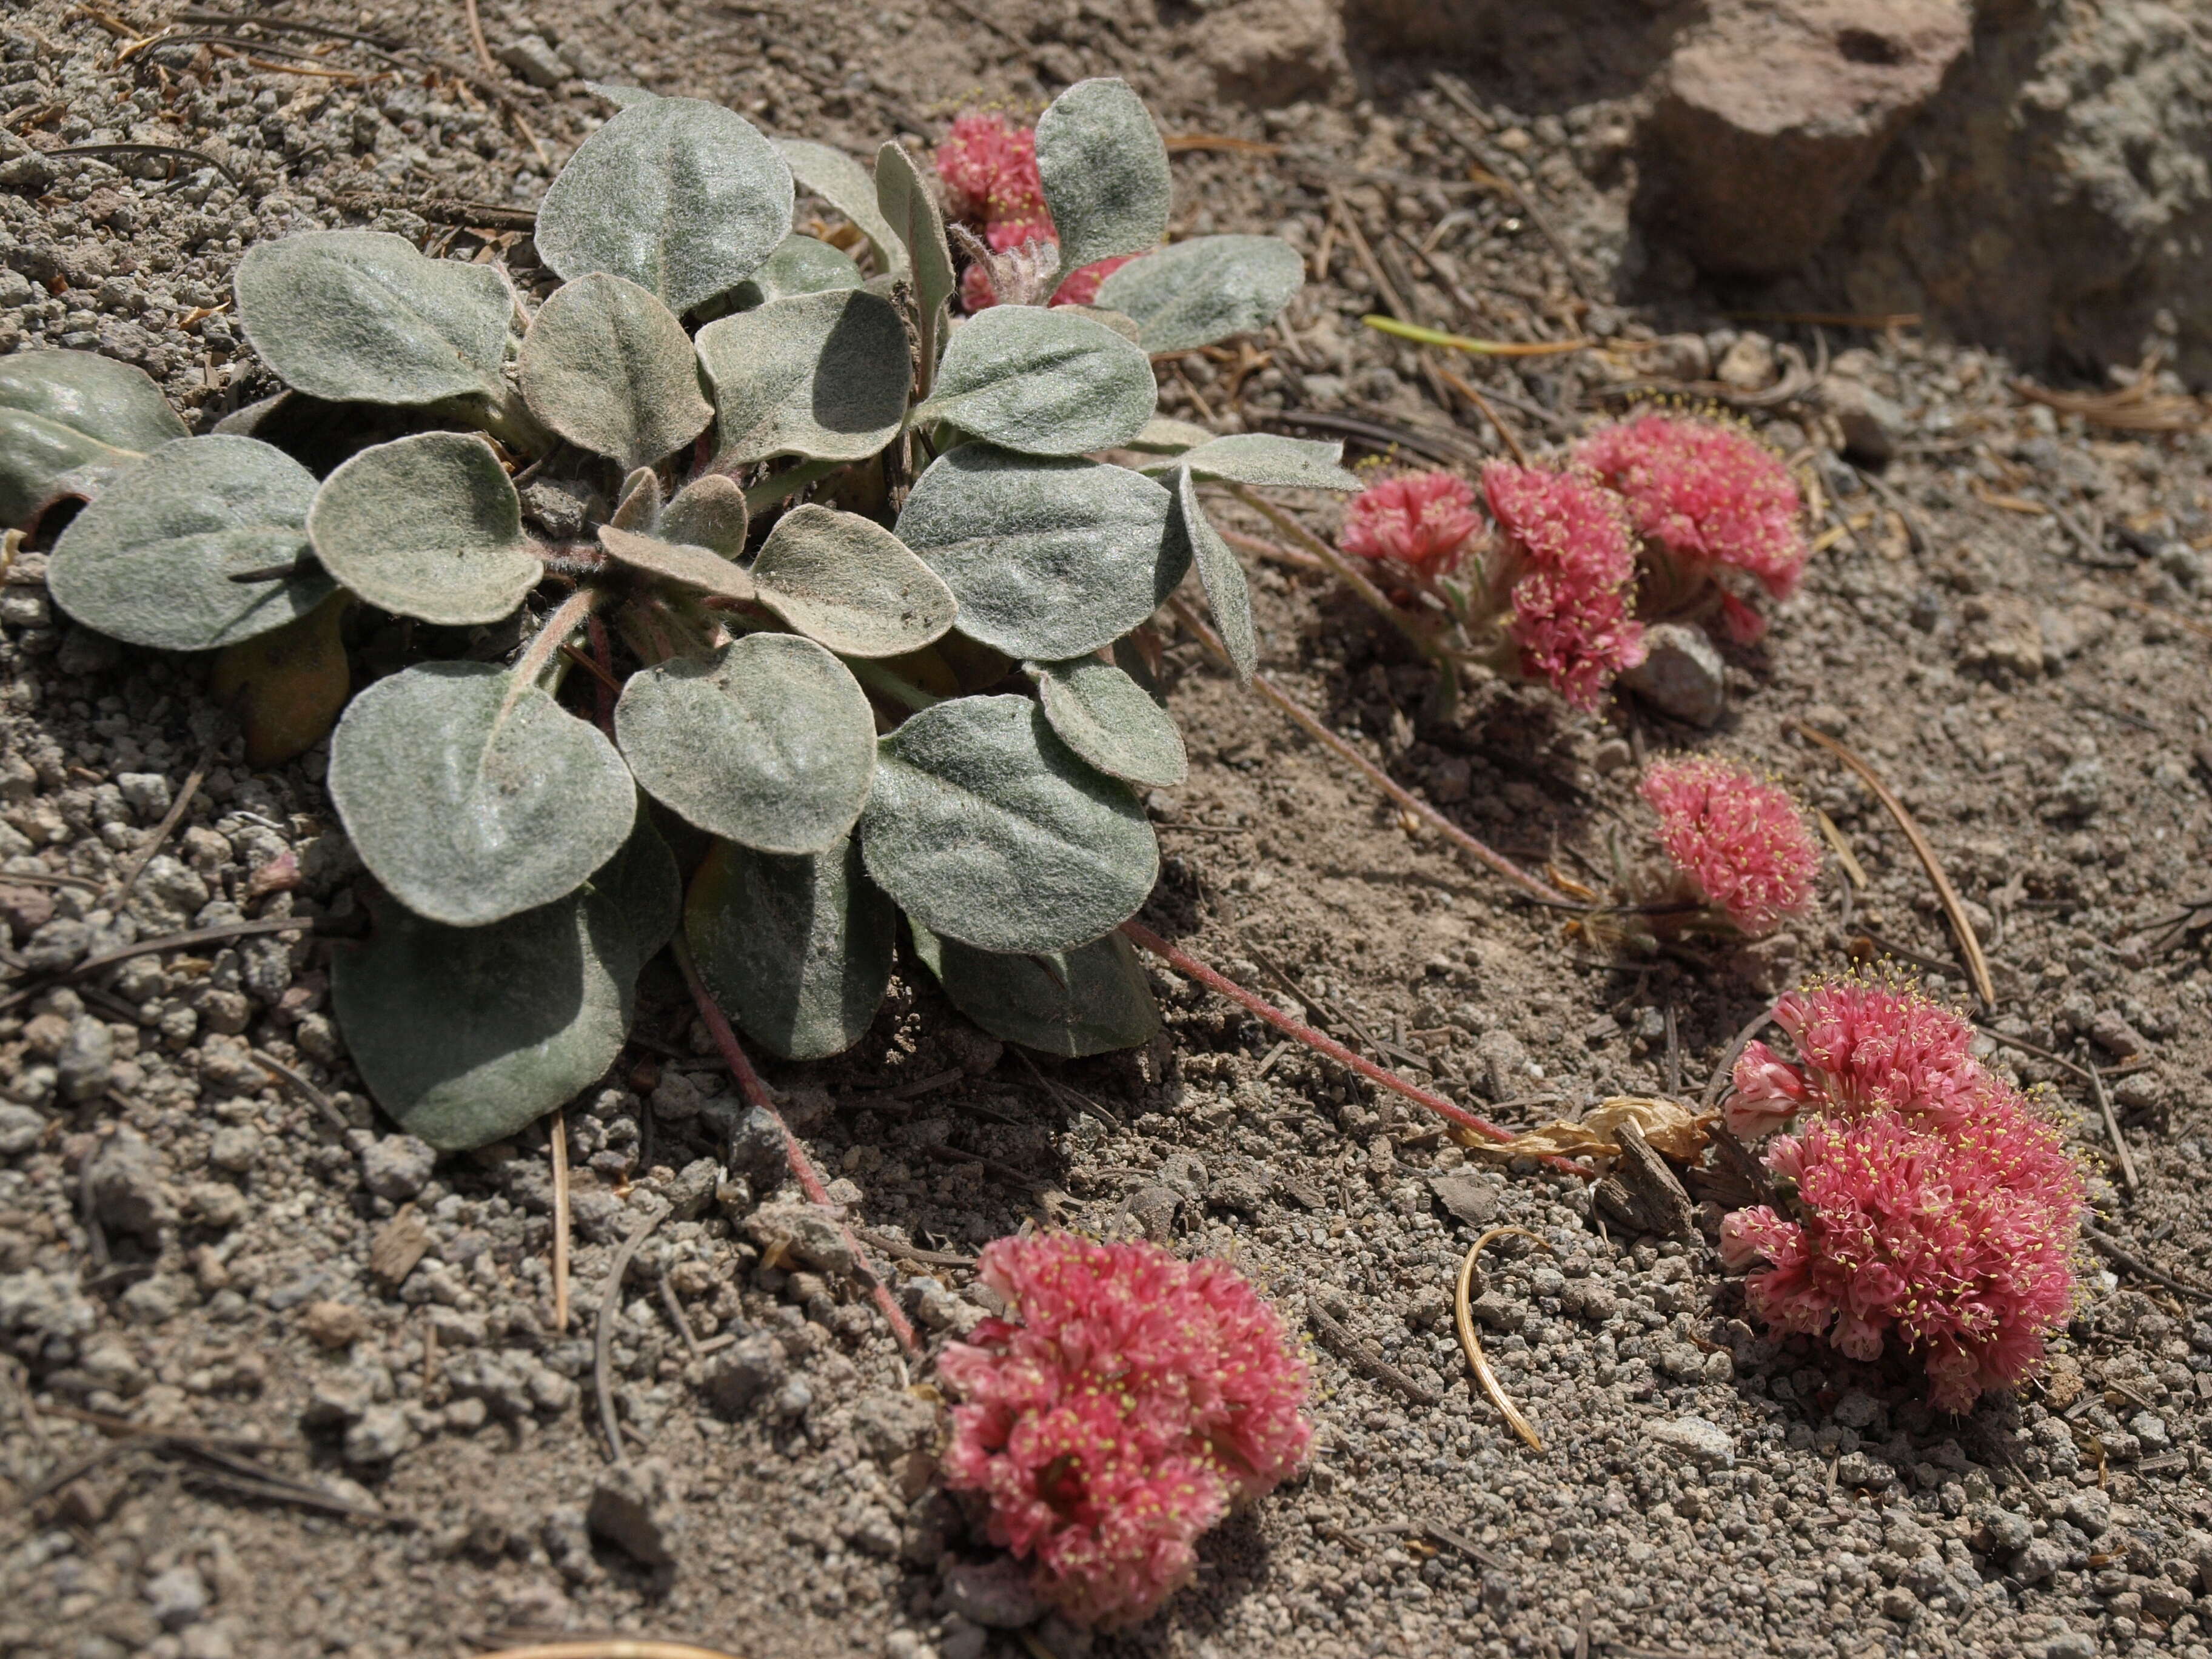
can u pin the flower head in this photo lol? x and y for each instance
(1957, 1240)
(1420, 522)
(1741, 841)
(1708, 492)
(1564, 548)
(1864, 1045)
(989, 169)
(1110, 1420)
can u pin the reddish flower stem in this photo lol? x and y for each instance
(1183, 963)
(1543, 892)
(604, 684)
(802, 1167)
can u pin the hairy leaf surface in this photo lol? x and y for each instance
(850, 584)
(1089, 1000)
(1043, 382)
(428, 527)
(823, 375)
(1111, 721)
(610, 369)
(70, 421)
(1195, 292)
(1105, 174)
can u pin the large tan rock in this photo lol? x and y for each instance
(1272, 52)
(1773, 114)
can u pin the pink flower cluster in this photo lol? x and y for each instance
(1564, 548)
(1864, 1045)
(1709, 498)
(1113, 1416)
(1741, 841)
(1931, 1203)
(989, 170)
(1418, 523)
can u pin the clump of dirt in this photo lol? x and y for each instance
(279, 1380)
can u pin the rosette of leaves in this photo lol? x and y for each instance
(828, 592)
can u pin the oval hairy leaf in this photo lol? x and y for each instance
(471, 798)
(1105, 174)
(467, 1034)
(1049, 559)
(1111, 721)
(1043, 382)
(682, 196)
(798, 951)
(150, 561)
(609, 367)
(800, 265)
(428, 527)
(288, 686)
(1165, 435)
(1089, 1000)
(823, 375)
(638, 506)
(769, 743)
(843, 183)
(909, 207)
(677, 562)
(988, 829)
(363, 316)
(1228, 592)
(709, 512)
(1266, 461)
(70, 420)
(849, 583)
(1208, 289)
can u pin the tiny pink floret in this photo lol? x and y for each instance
(989, 169)
(1868, 1045)
(1705, 491)
(1127, 1401)
(1741, 841)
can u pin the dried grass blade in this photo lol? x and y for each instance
(1970, 947)
(1463, 1317)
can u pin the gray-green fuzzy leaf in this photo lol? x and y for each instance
(843, 183)
(988, 829)
(1043, 382)
(1105, 174)
(362, 316)
(1089, 1000)
(610, 369)
(909, 207)
(1206, 289)
(797, 950)
(70, 420)
(467, 1034)
(1165, 435)
(770, 741)
(1108, 718)
(1228, 592)
(638, 505)
(1049, 559)
(150, 561)
(680, 196)
(1266, 461)
(709, 512)
(428, 527)
(472, 799)
(823, 375)
(850, 584)
(800, 265)
(685, 564)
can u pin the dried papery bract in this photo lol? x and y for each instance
(1739, 842)
(1126, 1401)
(839, 710)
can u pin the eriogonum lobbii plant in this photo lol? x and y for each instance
(1718, 513)
(1739, 843)
(894, 696)
(1924, 1201)
(1544, 595)
(1125, 1402)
